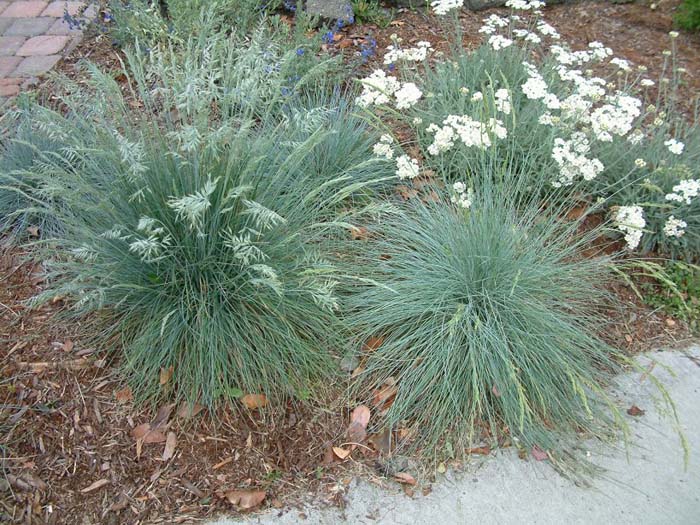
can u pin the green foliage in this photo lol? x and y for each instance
(193, 229)
(371, 12)
(678, 293)
(637, 165)
(688, 15)
(489, 319)
(150, 22)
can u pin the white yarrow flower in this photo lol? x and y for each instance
(406, 167)
(630, 221)
(674, 146)
(675, 227)
(442, 7)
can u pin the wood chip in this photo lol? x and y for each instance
(96, 485)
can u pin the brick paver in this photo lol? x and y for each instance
(9, 87)
(29, 26)
(8, 65)
(24, 9)
(34, 37)
(10, 44)
(43, 45)
(57, 9)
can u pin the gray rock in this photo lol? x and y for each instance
(331, 9)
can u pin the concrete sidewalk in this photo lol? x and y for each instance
(652, 488)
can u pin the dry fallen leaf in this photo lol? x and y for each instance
(124, 395)
(359, 233)
(245, 499)
(495, 391)
(635, 411)
(357, 431)
(384, 396)
(96, 485)
(33, 231)
(341, 452)
(166, 374)
(372, 344)
(484, 451)
(381, 441)
(68, 345)
(404, 477)
(146, 434)
(170, 444)
(189, 410)
(254, 401)
(538, 453)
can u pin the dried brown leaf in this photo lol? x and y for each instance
(405, 477)
(189, 410)
(124, 395)
(635, 411)
(538, 453)
(245, 499)
(254, 401)
(341, 452)
(166, 374)
(170, 444)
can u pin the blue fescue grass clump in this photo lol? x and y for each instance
(488, 319)
(194, 230)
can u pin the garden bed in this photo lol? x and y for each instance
(76, 443)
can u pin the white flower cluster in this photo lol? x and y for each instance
(407, 95)
(535, 87)
(442, 7)
(524, 5)
(498, 42)
(675, 227)
(492, 23)
(570, 155)
(412, 54)
(502, 98)
(547, 30)
(528, 36)
(630, 221)
(684, 191)
(623, 64)
(379, 87)
(462, 196)
(674, 146)
(616, 117)
(384, 148)
(595, 53)
(406, 167)
(472, 133)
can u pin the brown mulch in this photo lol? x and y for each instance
(67, 448)
(69, 430)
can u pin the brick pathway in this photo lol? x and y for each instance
(33, 37)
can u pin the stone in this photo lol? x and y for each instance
(58, 9)
(61, 27)
(29, 26)
(5, 23)
(25, 9)
(9, 87)
(8, 65)
(331, 9)
(37, 65)
(43, 45)
(10, 44)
